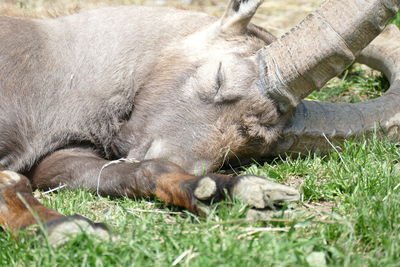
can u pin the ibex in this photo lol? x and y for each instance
(180, 92)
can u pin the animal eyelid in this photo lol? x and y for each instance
(220, 78)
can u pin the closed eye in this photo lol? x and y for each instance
(219, 79)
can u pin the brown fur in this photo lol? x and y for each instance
(17, 202)
(169, 190)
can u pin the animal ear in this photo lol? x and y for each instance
(238, 15)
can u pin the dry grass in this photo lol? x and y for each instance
(275, 15)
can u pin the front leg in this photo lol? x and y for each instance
(80, 168)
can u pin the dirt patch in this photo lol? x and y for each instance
(278, 16)
(294, 181)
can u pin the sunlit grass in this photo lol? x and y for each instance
(349, 216)
(396, 20)
(356, 84)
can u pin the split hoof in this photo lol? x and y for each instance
(262, 193)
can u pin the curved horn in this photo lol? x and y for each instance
(315, 121)
(320, 47)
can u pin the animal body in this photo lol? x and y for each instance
(177, 93)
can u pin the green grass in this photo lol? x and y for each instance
(360, 227)
(396, 19)
(350, 214)
(358, 83)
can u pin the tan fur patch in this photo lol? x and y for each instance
(8, 178)
(205, 188)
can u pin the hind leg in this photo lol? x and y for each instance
(20, 209)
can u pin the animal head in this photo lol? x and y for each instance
(227, 91)
(204, 97)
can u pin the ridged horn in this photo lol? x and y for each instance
(320, 47)
(314, 122)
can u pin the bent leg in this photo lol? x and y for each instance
(20, 209)
(80, 168)
(17, 203)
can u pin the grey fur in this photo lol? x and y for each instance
(107, 78)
